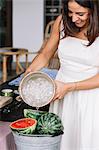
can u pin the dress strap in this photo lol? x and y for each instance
(61, 30)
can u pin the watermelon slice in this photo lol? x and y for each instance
(24, 125)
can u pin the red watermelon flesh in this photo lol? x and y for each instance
(24, 125)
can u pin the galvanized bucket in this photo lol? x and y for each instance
(37, 142)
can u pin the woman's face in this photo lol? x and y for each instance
(78, 14)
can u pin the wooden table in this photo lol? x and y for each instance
(9, 51)
(6, 137)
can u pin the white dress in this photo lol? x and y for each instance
(79, 110)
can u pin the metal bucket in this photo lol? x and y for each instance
(37, 142)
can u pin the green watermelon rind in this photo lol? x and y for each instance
(49, 123)
(30, 113)
(27, 130)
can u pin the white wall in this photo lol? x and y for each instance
(28, 24)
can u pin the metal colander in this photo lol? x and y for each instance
(37, 89)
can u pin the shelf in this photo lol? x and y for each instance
(48, 14)
(52, 9)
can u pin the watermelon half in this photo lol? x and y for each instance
(24, 125)
(35, 114)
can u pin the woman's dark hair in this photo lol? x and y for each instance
(93, 28)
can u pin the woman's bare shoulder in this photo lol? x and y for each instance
(58, 20)
(57, 23)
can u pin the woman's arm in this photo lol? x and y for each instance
(48, 50)
(90, 83)
(63, 88)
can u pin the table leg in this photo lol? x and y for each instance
(17, 67)
(4, 68)
(26, 60)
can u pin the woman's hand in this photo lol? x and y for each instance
(62, 89)
(28, 70)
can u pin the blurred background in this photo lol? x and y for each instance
(23, 24)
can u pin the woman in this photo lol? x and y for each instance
(77, 83)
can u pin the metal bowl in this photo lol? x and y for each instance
(37, 89)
